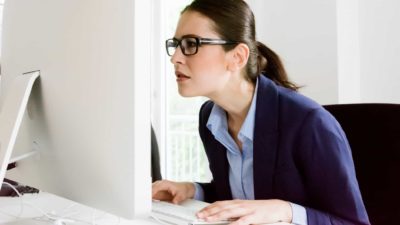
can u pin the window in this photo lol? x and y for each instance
(184, 157)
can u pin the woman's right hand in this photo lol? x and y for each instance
(174, 192)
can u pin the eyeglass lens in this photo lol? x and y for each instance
(189, 45)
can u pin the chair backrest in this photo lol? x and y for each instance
(373, 132)
(155, 158)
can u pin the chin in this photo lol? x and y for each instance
(187, 94)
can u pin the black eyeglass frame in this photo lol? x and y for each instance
(199, 42)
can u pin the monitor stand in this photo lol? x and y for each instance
(11, 114)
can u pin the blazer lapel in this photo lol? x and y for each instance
(219, 165)
(265, 145)
(216, 154)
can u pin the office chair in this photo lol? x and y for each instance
(373, 132)
(155, 158)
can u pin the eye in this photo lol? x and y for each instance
(189, 42)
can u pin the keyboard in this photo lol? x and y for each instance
(29, 221)
(173, 214)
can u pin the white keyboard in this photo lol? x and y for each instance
(29, 221)
(178, 214)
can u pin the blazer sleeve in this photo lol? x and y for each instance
(329, 173)
(209, 191)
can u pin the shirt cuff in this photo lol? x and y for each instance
(199, 193)
(299, 214)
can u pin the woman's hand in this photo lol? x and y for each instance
(248, 211)
(174, 192)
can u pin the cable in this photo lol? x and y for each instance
(19, 195)
(65, 216)
(49, 217)
(12, 187)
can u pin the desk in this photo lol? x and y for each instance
(10, 208)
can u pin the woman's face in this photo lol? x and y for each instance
(205, 73)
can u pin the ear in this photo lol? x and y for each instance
(238, 57)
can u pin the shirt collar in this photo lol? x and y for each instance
(217, 120)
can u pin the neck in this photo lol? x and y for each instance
(235, 99)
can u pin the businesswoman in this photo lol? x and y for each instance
(275, 155)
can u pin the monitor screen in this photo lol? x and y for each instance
(88, 117)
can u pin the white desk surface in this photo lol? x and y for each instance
(10, 211)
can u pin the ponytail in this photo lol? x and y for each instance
(234, 20)
(270, 65)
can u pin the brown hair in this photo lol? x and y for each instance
(234, 21)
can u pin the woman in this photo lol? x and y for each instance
(278, 154)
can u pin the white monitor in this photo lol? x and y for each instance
(88, 116)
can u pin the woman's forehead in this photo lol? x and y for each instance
(194, 23)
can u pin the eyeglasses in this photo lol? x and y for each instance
(190, 45)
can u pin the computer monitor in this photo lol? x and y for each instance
(88, 116)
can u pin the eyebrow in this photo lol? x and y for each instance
(188, 35)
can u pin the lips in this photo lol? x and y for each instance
(181, 76)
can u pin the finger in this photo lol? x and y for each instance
(178, 199)
(217, 207)
(156, 187)
(163, 185)
(228, 213)
(163, 196)
(244, 220)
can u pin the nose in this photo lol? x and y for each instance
(178, 57)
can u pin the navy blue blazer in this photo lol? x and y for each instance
(301, 155)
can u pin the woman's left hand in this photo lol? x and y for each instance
(245, 212)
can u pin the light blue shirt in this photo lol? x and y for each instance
(241, 162)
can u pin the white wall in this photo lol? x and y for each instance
(348, 39)
(343, 51)
(304, 34)
(380, 50)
